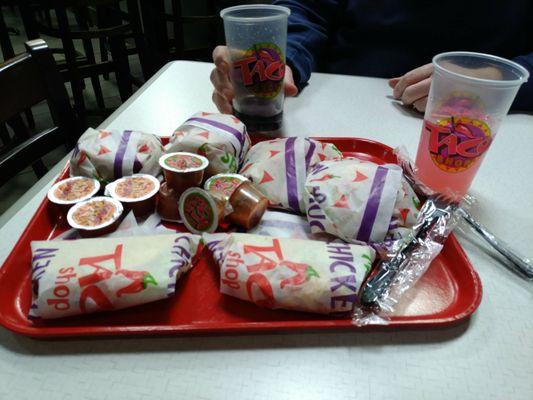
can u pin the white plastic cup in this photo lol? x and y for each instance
(469, 96)
(256, 36)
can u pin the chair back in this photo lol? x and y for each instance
(28, 79)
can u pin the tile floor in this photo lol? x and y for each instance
(26, 182)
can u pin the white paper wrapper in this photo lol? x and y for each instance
(221, 138)
(129, 226)
(406, 209)
(90, 275)
(107, 155)
(352, 199)
(279, 168)
(285, 225)
(293, 274)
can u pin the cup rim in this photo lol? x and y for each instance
(284, 11)
(491, 82)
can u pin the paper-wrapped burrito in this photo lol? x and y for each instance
(279, 168)
(293, 274)
(405, 213)
(221, 138)
(90, 275)
(107, 155)
(352, 199)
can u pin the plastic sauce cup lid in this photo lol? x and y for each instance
(199, 211)
(183, 162)
(112, 188)
(224, 184)
(117, 212)
(52, 191)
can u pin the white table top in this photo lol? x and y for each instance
(491, 357)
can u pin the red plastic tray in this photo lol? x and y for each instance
(449, 292)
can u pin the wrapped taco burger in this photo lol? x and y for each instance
(302, 275)
(352, 199)
(279, 168)
(405, 213)
(221, 138)
(88, 275)
(108, 155)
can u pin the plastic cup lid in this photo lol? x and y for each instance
(112, 187)
(54, 199)
(254, 12)
(188, 158)
(198, 210)
(116, 214)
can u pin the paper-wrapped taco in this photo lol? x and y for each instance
(302, 275)
(107, 155)
(352, 199)
(279, 168)
(88, 275)
(405, 213)
(221, 138)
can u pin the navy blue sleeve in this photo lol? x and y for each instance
(524, 98)
(307, 35)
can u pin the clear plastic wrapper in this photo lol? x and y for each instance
(407, 261)
(404, 258)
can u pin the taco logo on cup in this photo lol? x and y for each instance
(262, 68)
(456, 143)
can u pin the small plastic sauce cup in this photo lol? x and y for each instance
(200, 211)
(222, 186)
(183, 170)
(168, 204)
(248, 204)
(136, 192)
(96, 216)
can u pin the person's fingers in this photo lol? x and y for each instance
(394, 81)
(416, 75)
(221, 58)
(290, 88)
(420, 104)
(221, 82)
(416, 91)
(223, 103)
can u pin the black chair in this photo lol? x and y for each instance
(167, 46)
(110, 29)
(26, 80)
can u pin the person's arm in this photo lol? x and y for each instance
(309, 25)
(524, 98)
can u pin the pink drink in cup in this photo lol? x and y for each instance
(469, 96)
